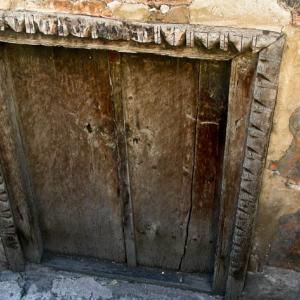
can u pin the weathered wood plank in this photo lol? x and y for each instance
(208, 155)
(241, 88)
(64, 102)
(11, 255)
(122, 47)
(3, 259)
(115, 68)
(160, 105)
(218, 39)
(14, 166)
(194, 282)
(261, 115)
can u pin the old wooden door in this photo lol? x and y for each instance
(63, 104)
(174, 111)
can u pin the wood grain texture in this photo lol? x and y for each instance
(120, 46)
(160, 97)
(240, 97)
(63, 99)
(176, 35)
(208, 155)
(260, 122)
(14, 167)
(3, 259)
(11, 254)
(143, 275)
(115, 67)
(161, 118)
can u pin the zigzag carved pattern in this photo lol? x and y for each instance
(209, 38)
(262, 107)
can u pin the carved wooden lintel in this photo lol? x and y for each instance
(176, 35)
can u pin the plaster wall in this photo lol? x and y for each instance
(277, 232)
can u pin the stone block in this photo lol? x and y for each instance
(87, 7)
(177, 14)
(128, 11)
(241, 13)
(5, 4)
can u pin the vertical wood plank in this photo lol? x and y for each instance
(240, 96)
(15, 167)
(259, 128)
(63, 98)
(160, 97)
(117, 92)
(210, 132)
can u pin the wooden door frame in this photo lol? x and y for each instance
(256, 57)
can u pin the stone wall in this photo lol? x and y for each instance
(277, 234)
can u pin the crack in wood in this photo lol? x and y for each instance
(186, 238)
(115, 74)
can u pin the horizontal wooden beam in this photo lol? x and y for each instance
(208, 38)
(118, 46)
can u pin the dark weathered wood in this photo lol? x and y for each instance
(3, 259)
(160, 97)
(260, 122)
(194, 282)
(120, 46)
(11, 254)
(128, 223)
(240, 96)
(64, 101)
(209, 144)
(14, 166)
